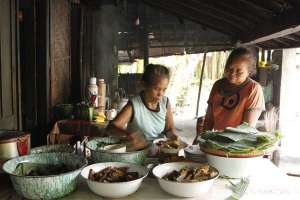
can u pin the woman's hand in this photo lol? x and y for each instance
(195, 142)
(199, 128)
(137, 139)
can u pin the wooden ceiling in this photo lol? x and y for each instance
(194, 26)
(264, 23)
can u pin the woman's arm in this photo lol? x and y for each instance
(254, 106)
(170, 130)
(117, 128)
(201, 126)
(251, 116)
(209, 120)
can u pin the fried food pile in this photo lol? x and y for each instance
(113, 175)
(169, 144)
(186, 174)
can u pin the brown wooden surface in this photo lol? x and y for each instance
(60, 51)
(8, 68)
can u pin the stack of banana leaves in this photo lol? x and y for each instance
(242, 139)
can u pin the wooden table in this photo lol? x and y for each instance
(268, 183)
(65, 130)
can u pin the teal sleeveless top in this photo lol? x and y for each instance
(150, 122)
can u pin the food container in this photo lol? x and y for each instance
(13, 144)
(115, 148)
(118, 189)
(169, 150)
(48, 186)
(100, 155)
(194, 153)
(234, 167)
(181, 189)
(66, 148)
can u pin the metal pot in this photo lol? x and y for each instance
(13, 144)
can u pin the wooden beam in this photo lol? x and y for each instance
(212, 12)
(239, 12)
(280, 26)
(257, 6)
(273, 6)
(292, 37)
(281, 41)
(212, 24)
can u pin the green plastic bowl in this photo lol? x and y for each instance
(63, 148)
(98, 155)
(46, 187)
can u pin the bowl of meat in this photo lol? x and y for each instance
(108, 149)
(114, 179)
(45, 175)
(185, 179)
(170, 146)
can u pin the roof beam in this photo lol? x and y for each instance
(273, 6)
(281, 25)
(212, 24)
(212, 12)
(239, 12)
(256, 6)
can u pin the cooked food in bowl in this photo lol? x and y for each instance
(170, 146)
(44, 175)
(113, 174)
(176, 184)
(187, 174)
(95, 146)
(40, 169)
(114, 184)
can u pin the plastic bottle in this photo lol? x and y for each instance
(101, 95)
(93, 90)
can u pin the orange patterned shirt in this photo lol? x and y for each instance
(228, 108)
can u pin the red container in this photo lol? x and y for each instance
(13, 144)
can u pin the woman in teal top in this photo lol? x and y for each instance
(148, 115)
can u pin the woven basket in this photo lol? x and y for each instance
(218, 152)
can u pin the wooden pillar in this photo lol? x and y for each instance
(200, 84)
(276, 77)
(144, 34)
(105, 43)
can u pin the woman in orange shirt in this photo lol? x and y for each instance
(236, 98)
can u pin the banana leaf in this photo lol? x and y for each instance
(243, 128)
(236, 141)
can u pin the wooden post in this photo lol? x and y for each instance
(200, 84)
(145, 35)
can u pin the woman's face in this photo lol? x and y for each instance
(157, 90)
(238, 71)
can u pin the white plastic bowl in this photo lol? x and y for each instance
(114, 190)
(192, 189)
(234, 167)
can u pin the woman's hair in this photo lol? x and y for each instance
(245, 53)
(152, 71)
